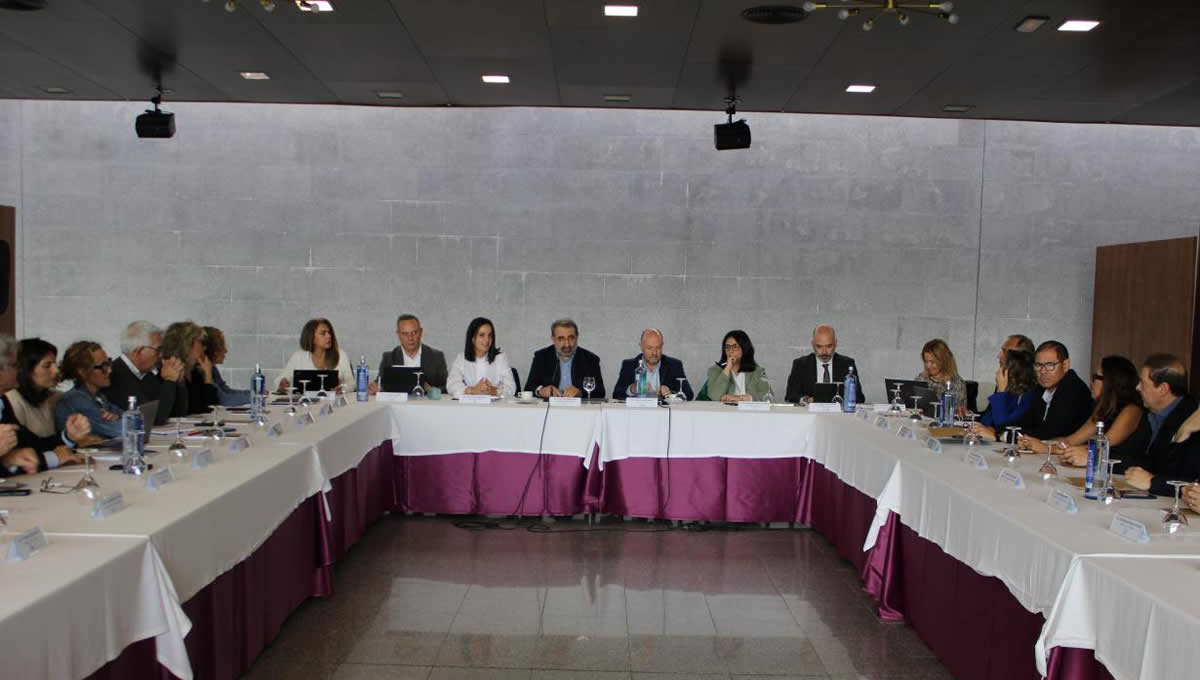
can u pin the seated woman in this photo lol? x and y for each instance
(86, 363)
(940, 368)
(22, 451)
(184, 340)
(1119, 407)
(736, 376)
(487, 371)
(1015, 383)
(215, 349)
(318, 351)
(34, 397)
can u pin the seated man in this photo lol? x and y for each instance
(22, 451)
(133, 373)
(411, 352)
(1062, 403)
(1163, 386)
(663, 372)
(824, 365)
(559, 370)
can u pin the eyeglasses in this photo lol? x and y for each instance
(732, 347)
(1097, 377)
(105, 365)
(1045, 367)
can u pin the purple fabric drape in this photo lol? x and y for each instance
(490, 482)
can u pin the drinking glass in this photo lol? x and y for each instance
(178, 448)
(291, 409)
(589, 384)
(218, 429)
(897, 402)
(304, 400)
(1109, 494)
(837, 393)
(972, 437)
(418, 391)
(1048, 470)
(916, 414)
(1010, 450)
(321, 394)
(1174, 519)
(681, 395)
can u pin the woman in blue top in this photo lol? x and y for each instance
(86, 363)
(1015, 383)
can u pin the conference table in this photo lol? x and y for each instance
(194, 578)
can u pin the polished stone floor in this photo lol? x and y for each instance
(420, 598)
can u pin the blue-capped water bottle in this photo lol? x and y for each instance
(1097, 463)
(362, 377)
(133, 437)
(948, 405)
(640, 376)
(258, 390)
(850, 395)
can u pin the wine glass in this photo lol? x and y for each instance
(1109, 494)
(418, 391)
(291, 409)
(589, 384)
(1048, 470)
(1011, 454)
(837, 393)
(217, 431)
(178, 448)
(916, 414)
(1174, 520)
(681, 395)
(322, 394)
(304, 400)
(897, 402)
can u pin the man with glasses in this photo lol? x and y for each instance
(134, 373)
(411, 352)
(1064, 402)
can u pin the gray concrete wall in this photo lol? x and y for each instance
(255, 218)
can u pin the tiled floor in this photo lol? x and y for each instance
(421, 599)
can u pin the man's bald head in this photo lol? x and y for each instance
(652, 346)
(824, 342)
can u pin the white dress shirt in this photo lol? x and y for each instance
(464, 374)
(739, 383)
(412, 362)
(302, 361)
(821, 371)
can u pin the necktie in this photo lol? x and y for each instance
(826, 377)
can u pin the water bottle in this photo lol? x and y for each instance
(948, 405)
(133, 437)
(640, 376)
(1097, 463)
(850, 398)
(362, 377)
(258, 390)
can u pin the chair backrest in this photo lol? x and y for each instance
(517, 379)
(972, 395)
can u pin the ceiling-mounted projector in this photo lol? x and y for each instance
(155, 124)
(734, 134)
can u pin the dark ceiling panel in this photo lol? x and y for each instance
(355, 51)
(364, 92)
(478, 29)
(532, 82)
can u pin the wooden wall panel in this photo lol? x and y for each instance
(1145, 301)
(8, 276)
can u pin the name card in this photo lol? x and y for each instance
(824, 408)
(976, 460)
(476, 399)
(1062, 501)
(754, 406)
(641, 402)
(305, 418)
(864, 415)
(326, 409)
(906, 432)
(386, 397)
(202, 459)
(881, 408)
(933, 444)
(566, 401)
(275, 430)
(238, 444)
(341, 400)
(1011, 477)
(24, 545)
(882, 423)
(160, 478)
(1129, 528)
(108, 505)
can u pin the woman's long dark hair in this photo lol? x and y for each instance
(739, 336)
(1120, 388)
(30, 352)
(473, 328)
(308, 341)
(1021, 378)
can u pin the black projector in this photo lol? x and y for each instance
(155, 125)
(734, 135)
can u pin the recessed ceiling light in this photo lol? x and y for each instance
(1030, 24)
(255, 75)
(314, 5)
(957, 108)
(389, 94)
(496, 79)
(1078, 25)
(56, 90)
(861, 88)
(618, 98)
(620, 10)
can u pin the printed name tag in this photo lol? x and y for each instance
(881, 408)
(824, 408)
(977, 460)
(1129, 528)
(476, 399)
(566, 401)
(305, 419)
(386, 397)
(108, 505)
(1012, 478)
(754, 406)
(863, 415)
(326, 409)
(202, 459)
(641, 402)
(341, 400)
(275, 430)
(240, 444)
(881, 423)
(905, 432)
(160, 477)
(933, 444)
(1062, 501)
(25, 545)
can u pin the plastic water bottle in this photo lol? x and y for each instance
(1097, 464)
(850, 397)
(948, 405)
(362, 377)
(133, 437)
(640, 376)
(258, 390)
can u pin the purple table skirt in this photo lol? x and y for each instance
(489, 482)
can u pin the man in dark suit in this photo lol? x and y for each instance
(133, 373)
(1063, 403)
(663, 372)
(559, 370)
(824, 365)
(412, 352)
(1163, 386)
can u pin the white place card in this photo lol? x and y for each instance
(864, 415)
(276, 430)
(202, 459)
(641, 402)
(24, 545)
(326, 409)
(566, 401)
(882, 423)
(312, 395)
(1011, 477)
(476, 399)
(977, 460)
(1129, 528)
(754, 406)
(881, 408)
(385, 397)
(906, 432)
(933, 444)
(160, 478)
(824, 408)
(109, 505)
(341, 401)
(1062, 501)
(238, 444)
(305, 418)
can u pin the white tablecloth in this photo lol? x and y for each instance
(73, 606)
(425, 428)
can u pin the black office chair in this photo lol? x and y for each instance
(972, 395)
(517, 379)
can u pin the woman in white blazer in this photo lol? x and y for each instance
(318, 351)
(488, 371)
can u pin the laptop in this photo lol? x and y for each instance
(907, 388)
(314, 379)
(823, 393)
(398, 378)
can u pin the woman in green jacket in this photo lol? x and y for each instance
(735, 377)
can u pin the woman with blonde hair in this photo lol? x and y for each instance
(184, 340)
(940, 368)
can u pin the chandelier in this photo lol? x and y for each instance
(873, 10)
